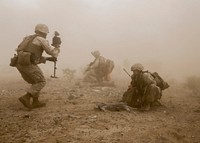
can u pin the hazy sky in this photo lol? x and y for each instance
(161, 34)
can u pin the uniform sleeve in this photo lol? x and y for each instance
(95, 64)
(148, 79)
(50, 50)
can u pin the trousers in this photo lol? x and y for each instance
(34, 76)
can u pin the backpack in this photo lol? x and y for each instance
(25, 42)
(105, 66)
(159, 81)
(109, 65)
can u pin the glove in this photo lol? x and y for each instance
(52, 59)
(56, 52)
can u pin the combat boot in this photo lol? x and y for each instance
(145, 107)
(25, 100)
(156, 103)
(37, 104)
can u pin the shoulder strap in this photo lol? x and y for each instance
(24, 44)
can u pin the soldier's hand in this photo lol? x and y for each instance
(91, 63)
(52, 59)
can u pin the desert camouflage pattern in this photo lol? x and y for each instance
(99, 70)
(143, 90)
(34, 76)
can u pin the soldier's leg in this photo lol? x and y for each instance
(131, 98)
(99, 78)
(90, 76)
(107, 77)
(33, 75)
(25, 99)
(152, 94)
(24, 71)
(38, 84)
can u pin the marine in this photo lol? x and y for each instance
(143, 91)
(29, 56)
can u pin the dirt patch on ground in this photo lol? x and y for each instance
(71, 116)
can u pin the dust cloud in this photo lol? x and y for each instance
(162, 35)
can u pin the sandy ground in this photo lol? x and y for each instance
(71, 116)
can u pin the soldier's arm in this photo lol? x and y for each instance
(50, 50)
(95, 64)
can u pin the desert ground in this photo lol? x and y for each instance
(71, 114)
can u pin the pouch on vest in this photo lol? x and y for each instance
(13, 61)
(24, 58)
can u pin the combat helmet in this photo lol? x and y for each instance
(95, 53)
(56, 33)
(137, 66)
(42, 28)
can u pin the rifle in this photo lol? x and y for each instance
(54, 71)
(53, 59)
(88, 67)
(126, 72)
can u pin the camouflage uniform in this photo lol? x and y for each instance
(95, 71)
(146, 87)
(108, 69)
(142, 91)
(34, 76)
(31, 73)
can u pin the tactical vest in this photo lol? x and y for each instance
(36, 52)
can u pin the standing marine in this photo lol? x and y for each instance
(29, 55)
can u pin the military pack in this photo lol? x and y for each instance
(109, 65)
(159, 81)
(106, 65)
